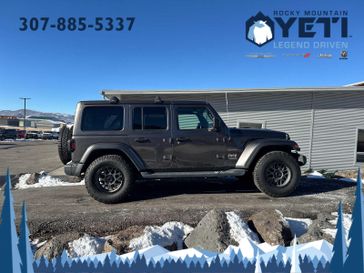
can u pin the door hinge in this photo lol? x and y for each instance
(232, 156)
(167, 157)
(220, 156)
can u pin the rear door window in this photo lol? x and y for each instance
(102, 118)
(150, 118)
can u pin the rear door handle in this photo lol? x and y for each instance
(142, 140)
(182, 139)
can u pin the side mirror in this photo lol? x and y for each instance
(216, 126)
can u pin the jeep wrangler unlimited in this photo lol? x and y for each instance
(113, 143)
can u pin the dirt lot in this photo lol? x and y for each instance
(61, 209)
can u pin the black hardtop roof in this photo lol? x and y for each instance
(144, 102)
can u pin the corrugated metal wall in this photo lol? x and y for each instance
(286, 112)
(337, 117)
(331, 118)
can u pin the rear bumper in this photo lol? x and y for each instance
(73, 169)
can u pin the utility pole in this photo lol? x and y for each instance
(25, 114)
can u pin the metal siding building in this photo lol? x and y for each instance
(324, 121)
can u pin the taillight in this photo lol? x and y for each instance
(72, 145)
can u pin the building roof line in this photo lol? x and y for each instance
(355, 84)
(229, 90)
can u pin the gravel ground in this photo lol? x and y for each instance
(28, 157)
(63, 209)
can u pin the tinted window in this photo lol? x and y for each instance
(150, 118)
(137, 118)
(102, 118)
(360, 146)
(187, 121)
(192, 118)
(154, 118)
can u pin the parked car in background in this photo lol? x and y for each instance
(55, 135)
(21, 133)
(8, 134)
(47, 135)
(32, 135)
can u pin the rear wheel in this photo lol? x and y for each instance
(277, 174)
(109, 179)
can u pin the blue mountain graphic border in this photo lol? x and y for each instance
(16, 255)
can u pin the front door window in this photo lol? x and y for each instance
(194, 118)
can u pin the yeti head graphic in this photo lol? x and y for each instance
(259, 29)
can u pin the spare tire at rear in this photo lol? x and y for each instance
(65, 134)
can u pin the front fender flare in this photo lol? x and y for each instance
(253, 148)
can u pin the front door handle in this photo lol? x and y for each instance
(142, 140)
(182, 139)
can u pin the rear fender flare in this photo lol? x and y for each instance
(120, 147)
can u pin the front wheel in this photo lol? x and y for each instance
(277, 174)
(109, 179)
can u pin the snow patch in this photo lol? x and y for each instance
(7, 140)
(346, 222)
(86, 246)
(239, 229)
(36, 244)
(166, 235)
(298, 226)
(315, 174)
(319, 175)
(44, 181)
(330, 231)
(247, 250)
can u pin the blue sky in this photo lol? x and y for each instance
(190, 44)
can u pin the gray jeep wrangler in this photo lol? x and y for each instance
(113, 143)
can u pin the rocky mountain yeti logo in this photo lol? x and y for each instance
(259, 29)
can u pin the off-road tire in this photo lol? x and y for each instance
(65, 134)
(260, 174)
(113, 161)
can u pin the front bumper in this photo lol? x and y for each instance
(302, 160)
(73, 169)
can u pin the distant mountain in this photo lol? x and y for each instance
(52, 116)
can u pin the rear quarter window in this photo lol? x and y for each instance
(102, 118)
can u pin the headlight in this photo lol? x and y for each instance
(296, 147)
